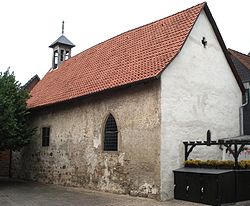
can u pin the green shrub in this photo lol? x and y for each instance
(216, 164)
(244, 164)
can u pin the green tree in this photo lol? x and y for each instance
(14, 116)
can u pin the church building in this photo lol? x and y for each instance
(114, 117)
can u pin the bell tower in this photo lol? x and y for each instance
(61, 49)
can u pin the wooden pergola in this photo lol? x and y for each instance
(234, 145)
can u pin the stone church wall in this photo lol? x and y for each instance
(75, 156)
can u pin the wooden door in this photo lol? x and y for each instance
(4, 163)
(180, 190)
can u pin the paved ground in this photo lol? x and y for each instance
(20, 193)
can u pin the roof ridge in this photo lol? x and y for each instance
(160, 19)
(204, 3)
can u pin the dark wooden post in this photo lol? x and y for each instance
(186, 150)
(236, 155)
(208, 138)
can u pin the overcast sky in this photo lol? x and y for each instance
(28, 27)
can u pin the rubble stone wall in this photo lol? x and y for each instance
(75, 156)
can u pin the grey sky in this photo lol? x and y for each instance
(28, 27)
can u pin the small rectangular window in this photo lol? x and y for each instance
(45, 136)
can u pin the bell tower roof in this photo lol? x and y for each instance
(61, 49)
(62, 40)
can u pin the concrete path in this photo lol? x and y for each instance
(20, 193)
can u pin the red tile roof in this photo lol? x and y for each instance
(140, 54)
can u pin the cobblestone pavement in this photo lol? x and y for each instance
(20, 193)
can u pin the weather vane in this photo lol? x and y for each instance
(62, 27)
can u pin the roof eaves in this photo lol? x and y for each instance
(92, 94)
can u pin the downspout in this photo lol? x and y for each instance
(241, 113)
(241, 121)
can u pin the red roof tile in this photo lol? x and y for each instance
(139, 54)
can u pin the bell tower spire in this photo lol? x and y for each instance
(61, 49)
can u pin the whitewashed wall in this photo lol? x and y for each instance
(198, 92)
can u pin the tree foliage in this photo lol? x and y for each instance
(14, 117)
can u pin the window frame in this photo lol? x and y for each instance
(46, 136)
(104, 137)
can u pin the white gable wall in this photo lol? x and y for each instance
(198, 92)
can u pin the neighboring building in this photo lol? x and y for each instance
(114, 116)
(242, 65)
(31, 83)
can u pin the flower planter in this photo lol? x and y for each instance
(214, 164)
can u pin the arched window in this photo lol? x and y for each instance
(110, 135)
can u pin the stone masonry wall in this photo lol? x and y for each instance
(75, 156)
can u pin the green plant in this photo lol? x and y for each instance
(219, 164)
(225, 164)
(14, 116)
(192, 163)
